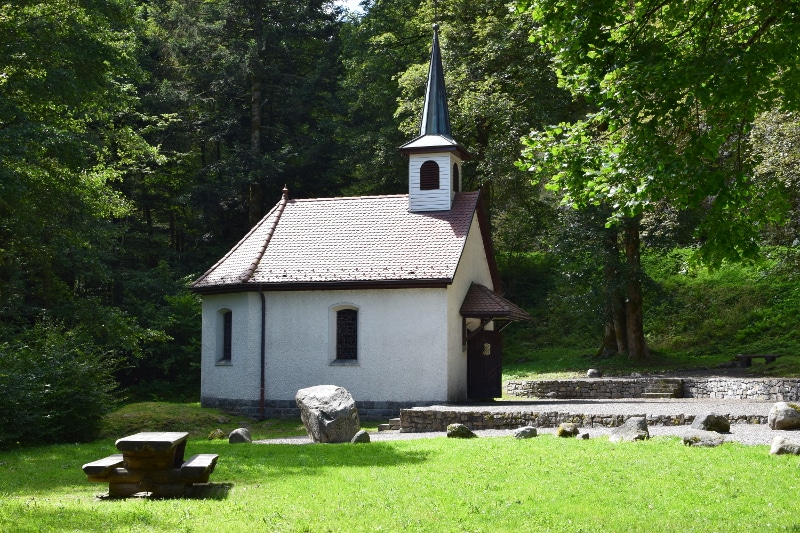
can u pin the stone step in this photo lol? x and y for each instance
(393, 425)
(658, 395)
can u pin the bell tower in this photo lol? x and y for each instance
(434, 157)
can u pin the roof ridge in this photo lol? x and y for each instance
(366, 197)
(248, 274)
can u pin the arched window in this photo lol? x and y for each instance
(429, 176)
(456, 178)
(347, 334)
(225, 335)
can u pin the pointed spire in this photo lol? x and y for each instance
(435, 115)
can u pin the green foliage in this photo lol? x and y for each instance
(674, 90)
(438, 484)
(695, 317)
(56, 385)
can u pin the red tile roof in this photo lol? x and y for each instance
(482, 302)
(323, 242)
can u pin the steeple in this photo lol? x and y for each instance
(435, 115)
(434, 157)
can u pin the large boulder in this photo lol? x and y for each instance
(329, 413)
(712, 422)
(633, 429)
(784, 416)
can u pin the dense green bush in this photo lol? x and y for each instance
(56, 385)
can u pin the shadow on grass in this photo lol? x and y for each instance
(259, 462)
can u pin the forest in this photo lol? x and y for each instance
(625, 150)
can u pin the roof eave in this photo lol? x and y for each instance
(437, 283)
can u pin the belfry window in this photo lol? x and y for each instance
(429, 176)
(456, 178)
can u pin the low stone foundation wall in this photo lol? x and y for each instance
(765, 389)
(586, 389)
(762, 389)
(367, 410)
(426, 420)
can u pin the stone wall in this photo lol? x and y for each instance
(422, 420)
(598, 389)
(763, 389)
(766, 389)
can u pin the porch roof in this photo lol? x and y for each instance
(482, 302)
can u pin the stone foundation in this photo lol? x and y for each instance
(762, 389)
(367, 410)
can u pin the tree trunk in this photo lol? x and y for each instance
(615, 335)
(634, 316)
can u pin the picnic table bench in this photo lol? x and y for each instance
(746, 360)
(151, 462)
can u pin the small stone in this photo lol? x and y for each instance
(527, 432)
(459, 431)
(703, 438)
(784, 416)
(361, 437)
(567, 429)
(633, 429)
(784, 446)
(583, 436)
(239, 436)
(593, 373)
(712, 422)
(216, 434)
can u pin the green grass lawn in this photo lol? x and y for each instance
(485, 484)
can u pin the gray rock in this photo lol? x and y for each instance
(239, 436)
(361, 437)
(712, 422)
(526, 432)
(567, 429)
(699, 437)
(459, 431)
(784, 446)
(594, 373)
(633, 429)
(583, 436)
(329, 413)
(784, 416)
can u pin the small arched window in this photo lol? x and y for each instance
(225, 332)
(456, 178)
(347, 334)
(429, 176)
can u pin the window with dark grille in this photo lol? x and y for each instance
(347, 334)
(429, 176)
(227, 334)
(456, 177)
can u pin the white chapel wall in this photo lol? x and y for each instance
(473, 267)
(402, 345)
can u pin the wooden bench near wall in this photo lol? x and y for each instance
(746, 360)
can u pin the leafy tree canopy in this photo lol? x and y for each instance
(675, 88)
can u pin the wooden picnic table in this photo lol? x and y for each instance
(151, 462)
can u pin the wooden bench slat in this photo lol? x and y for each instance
(103, 466)
(198, 467)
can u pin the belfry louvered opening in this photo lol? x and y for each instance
(429, 176)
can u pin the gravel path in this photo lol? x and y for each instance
(751, 434)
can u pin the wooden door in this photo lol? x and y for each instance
(485, 366)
